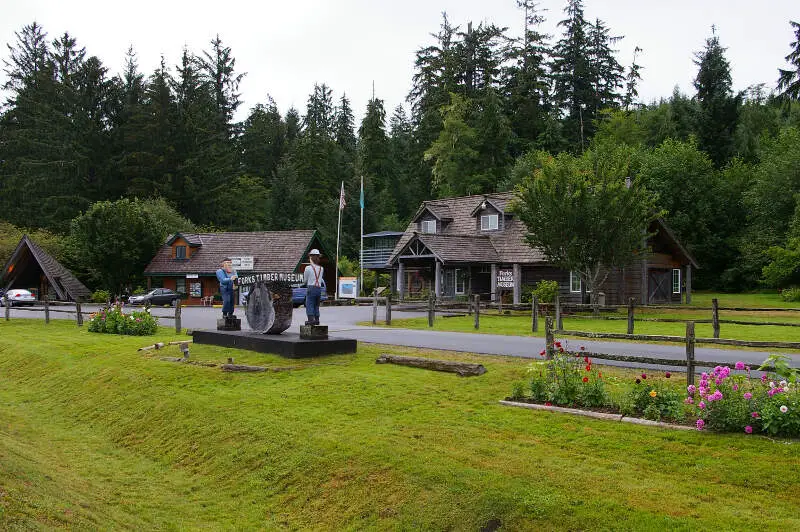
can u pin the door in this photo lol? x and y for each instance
(659, 286)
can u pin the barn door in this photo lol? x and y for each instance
(659, 286)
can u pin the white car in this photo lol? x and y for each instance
(18, 296)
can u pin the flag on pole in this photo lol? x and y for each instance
(361, 199)
(342, 203)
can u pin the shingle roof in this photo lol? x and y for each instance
(272, 251)
(465, 243)
(66, 285)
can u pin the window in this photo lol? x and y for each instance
(574, 282)
(489, 222)
(428, 226)
(460, 281)
(676, 281)
(180, 285)
(180, 252)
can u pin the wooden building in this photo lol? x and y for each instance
(188, 262)
(454, 247)
(32, 268)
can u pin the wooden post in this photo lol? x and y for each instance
(548, 337)
(46, 311)
(499, 301)
(389, 308)
(469, 303)
(178, 316)
(477, 311)
(690, 342)
(631, 303)
(559, 323)
(431, 310)
(6, 307)
(79, 314)
(534, 314)
(375, 308)
(715, 316)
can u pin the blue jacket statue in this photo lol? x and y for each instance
(226, 276)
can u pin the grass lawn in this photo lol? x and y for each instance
(96, 435)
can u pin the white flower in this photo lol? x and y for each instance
(783, 384)
(771, 384)
(784, 409)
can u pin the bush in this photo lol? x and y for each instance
(791, 294)
(113, 320)
(139, 291)
(568, 379)
(653, 399)
(546, 291)
(101, 296)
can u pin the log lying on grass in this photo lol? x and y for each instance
(157, 345)
(463, 369)
(241, 367)
(184, 360)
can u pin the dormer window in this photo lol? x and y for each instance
(428, 226)
(489, 222)
(180, 252)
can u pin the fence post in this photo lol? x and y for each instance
(46, 311)
(548, 336)
(389, 308)
(78, 313)
(477, 311)
(690, 342)
(178, 316)
(431, 310)
(631, 303)
(534, 314)
(715, 316)
(6, 307)
(559, 323)
(375, 308)
(469, 303)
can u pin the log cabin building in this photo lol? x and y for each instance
(188, 262)
(459, 246)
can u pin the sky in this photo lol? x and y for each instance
(354, 45)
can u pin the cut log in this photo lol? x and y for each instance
(182, 360)
(240, 367)
(157, 345)
(463, 369)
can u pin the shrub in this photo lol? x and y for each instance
(568, 379)
(113, 320)
(546, 291)
(652, 398)
(101, 296)
(791, 294)
(139, 291)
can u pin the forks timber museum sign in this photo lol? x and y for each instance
(268, 304)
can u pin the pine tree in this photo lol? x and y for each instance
(293, 125)
(404, 189)
(28, 60)
(789, 80)
(492, 135)
(719, 108)
(454, 153)
(607, 73)
(632, 80)
(374, 164)
(263, 141)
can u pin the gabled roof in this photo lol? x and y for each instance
(193, 239)
(673, 240)
(272, 251)
(440, 211)
(498, 205)
(66, 285)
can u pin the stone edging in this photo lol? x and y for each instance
(598, 415)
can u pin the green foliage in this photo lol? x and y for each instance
(453, 153)
(789, 79)
(101, 296)
(113, 320)
(546, 291)
(10, 235)
(784, 266)
(791, 294)
(568, 379)
(653, 398)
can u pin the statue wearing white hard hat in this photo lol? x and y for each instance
(315, 283)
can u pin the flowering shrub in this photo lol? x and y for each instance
(652, 398)
(568, 379)
(734, 400)
(113, 320)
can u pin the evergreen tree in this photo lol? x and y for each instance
(789, 80)
(293, 125)
(454, 153)
(28, 60)
(607, 74)
(263, 141)
(493, 136)
(407, 194)
(374, 164)
(719, 108)
(632, 80)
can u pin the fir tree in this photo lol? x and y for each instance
(789, 80)
(632, 80)
(263, 141)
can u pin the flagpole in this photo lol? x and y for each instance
(361, 256)
(338, 233)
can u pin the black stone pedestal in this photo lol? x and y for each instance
(288, 345)
(314, 332)
(229, 323)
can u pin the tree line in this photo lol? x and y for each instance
(486, 109)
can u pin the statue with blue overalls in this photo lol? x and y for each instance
(227, 277)
(314, 282)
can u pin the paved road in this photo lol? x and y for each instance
(342, 321)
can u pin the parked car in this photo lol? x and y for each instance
(18, 297)
(158, 296)
(299, 295)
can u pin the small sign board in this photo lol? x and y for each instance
(348, 287)
(242, 262)
(192, 276)
(505, 279)
(283, 277)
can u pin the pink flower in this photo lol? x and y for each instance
(691, 388)
(689, 401)
(755, 414)
(740, 366)
(735, 387)
(748, 429)
(701, 405)
(763, 378)
(644, 376)
(748, 395)
(668, 374)
(700, 424)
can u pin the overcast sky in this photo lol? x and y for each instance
(287, 46)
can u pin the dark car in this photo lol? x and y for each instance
(299, 295)
(159, 296)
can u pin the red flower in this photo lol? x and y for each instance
(558, 344)
(548, 403)
(599, 375)
(586, 359)
(542, 352)
(668, 374)
(586, 379)
(583, 348)
(560, 349)
(644, 377)
(589, 367)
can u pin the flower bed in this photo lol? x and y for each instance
(113, 320)
(724, 400)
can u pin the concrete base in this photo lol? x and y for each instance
(288, 345)
(231, 323)
(314, 332)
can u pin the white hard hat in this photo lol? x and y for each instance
(314, 252)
